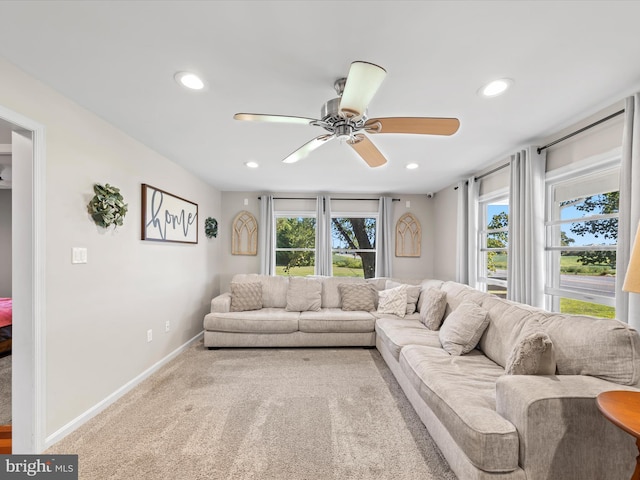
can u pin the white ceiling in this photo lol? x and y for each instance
(568, 59)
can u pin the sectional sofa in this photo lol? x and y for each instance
(506, 391)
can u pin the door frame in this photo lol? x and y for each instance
(29, 342)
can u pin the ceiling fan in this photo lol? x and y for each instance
(345, 117)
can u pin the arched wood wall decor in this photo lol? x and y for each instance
(408, 236)
(245, 234)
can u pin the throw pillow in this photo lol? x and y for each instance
(246, 296)
(433, 307)
(356, 296)
(462, 329)
(304, 294)
(413, 294)
(533, 352)
(393, 300)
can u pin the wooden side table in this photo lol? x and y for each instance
(623, 409)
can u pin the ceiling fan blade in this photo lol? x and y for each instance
(419, 125)
(259, 117)
(367, 150)
(363, 82)
(307, 148)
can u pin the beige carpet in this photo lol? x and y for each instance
(261, 414)
(5, 390)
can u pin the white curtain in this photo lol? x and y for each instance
(473, 191)
(467, 232)
(384, 240)
(266, 236)
(525, 282)
(462, 260)
(323, 236)
(628, 304)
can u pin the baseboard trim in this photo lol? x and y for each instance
(99, 407)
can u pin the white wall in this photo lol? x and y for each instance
(403, 267)
(97, 314)
(445, 225)
(5, 243)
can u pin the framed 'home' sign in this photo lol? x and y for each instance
(168, 218)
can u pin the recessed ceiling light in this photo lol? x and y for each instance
(251, 164)
(495, 88)
(411, 166)
(189, 80)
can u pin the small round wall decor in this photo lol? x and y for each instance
(211, 227)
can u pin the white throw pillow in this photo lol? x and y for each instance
(393, 300)
(462, 329)
(413, 294)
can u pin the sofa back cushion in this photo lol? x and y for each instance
(458, 293)
(604, 348)
(330, 292)
(304, 294)
(507, 323)
(274, 288)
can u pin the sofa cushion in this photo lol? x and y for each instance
(604, 348)
(266, 320)
(433, 307)
(274, 288)
(246, 296)
(533, 352)
(507, 322)
(303, 294)
(461, 391)
(330, 292)
(358, 296)
(462, 330)
(393, 301)
(396, 333)
(413, 294)
(458, 293)
(329, 320)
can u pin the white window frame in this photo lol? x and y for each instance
(602, 164)
(291, 214)
(495, 197)
(373, 215)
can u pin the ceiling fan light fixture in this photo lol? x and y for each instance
(496, 87)
(189, 80)
(411, 166)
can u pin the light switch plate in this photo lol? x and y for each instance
(78, 255)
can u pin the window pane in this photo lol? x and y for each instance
(353, 241)
(353, 233)
(295, 232)
(569, 305)
(298, 263)
(348, 265)
(605, 203)
(497, 265)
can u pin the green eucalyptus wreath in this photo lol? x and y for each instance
(107, 207)
(211, 227)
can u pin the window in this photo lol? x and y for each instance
(353, 248)
(493, 243)
(581, 239)
(295, 244)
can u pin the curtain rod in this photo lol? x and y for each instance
(332, 198)
(609, 117)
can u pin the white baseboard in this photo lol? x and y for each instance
(99, 407)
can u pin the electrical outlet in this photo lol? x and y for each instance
(149, 335)
(167, 326)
